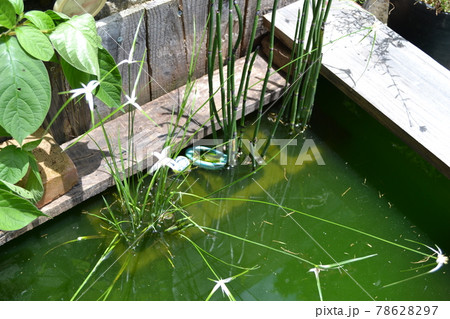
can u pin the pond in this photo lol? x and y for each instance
(372, 183)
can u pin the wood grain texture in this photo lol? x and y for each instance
(194, 17)
(167, 37)
(92, 169)
(117, 33)
(167, 55)
(398, 84)
(75, 119)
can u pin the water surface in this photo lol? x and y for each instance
(371, 181)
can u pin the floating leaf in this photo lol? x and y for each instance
(24, 90)
(35, 43)
(16, 212)
(7, 14)
(40, 19)
(77, 42)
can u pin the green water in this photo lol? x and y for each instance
(370, 181)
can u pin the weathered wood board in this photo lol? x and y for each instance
(92, 168)
(118, 32)
(166, 37)
(394, 81)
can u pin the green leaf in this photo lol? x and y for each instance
(18, 6)
(57, 17)
(40, 19)
(7, 14)
(14, 164)
(31, 145)
(76, 41)
(35, 43)
(22, 192)
(34, 182)
(24, 90)
(16, 212)
(110, 90)
(3, 132)
(74, 76)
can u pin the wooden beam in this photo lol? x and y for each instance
(91, 166)
(402, 87)
(117, 33)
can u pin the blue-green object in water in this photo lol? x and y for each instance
(206, 157)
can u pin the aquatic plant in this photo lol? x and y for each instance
(302, 74)
(152, 204)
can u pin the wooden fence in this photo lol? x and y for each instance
(165, 39)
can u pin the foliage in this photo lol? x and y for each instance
(303, 71)
(27, 40)
(439, 5)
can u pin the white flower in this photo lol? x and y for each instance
(178, 165)
(221, 283)
(163, 159)
(132, 101)
(440, 260)
(87, 91)
(128, 61)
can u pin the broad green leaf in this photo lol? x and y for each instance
(76, 41)
(18, 6)
(31, 145)
(14, 164)
(74, 76)
(24, 90)
(33, 189)
(57, 17)
(16, 212)
(7, 14)
(34, 182)
(110, 90)
(3, 132)
(40, 19)
(35, 43)
(20, 191)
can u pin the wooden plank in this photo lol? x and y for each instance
(402, 87)
(117, 33)
(250, 12)
(195, 15)
(75, 119)
(168, 61)
(167, 35)
(92, 168)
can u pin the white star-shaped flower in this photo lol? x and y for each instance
(132, 101)
(440, 260)
(178, 165)
(87, 91)
(163, 159)
(221, 284)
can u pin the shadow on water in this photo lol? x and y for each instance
(418, 189)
